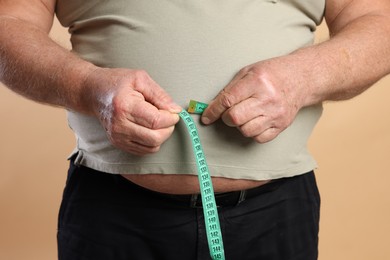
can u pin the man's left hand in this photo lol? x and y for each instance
(261, 101)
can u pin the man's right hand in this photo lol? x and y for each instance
(137, 114)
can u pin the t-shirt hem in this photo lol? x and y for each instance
(189, 168)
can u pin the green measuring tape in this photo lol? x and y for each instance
(213, 228)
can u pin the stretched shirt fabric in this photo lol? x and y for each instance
(193, 48)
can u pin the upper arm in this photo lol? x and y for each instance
(339, 13)
(37, 12)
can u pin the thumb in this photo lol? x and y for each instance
(240, 88)
(227, 98)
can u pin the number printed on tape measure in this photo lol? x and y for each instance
(209, 198)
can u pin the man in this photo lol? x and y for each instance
(132, 186)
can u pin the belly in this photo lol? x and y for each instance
(188, 184)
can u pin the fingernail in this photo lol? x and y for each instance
(176, 108)
(205, 120)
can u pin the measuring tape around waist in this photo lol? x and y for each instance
(213, 228)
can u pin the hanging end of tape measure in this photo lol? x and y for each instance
(196, 107)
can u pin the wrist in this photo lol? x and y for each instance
(90, 91)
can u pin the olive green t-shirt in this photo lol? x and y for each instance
(193, 48)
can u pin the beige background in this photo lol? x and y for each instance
(351, 144)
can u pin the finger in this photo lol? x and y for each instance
(154, 94)
(147, 115)
(242, 112)
(268, 135)
(261, 129)
(256, 127)
(148, 137)
(139, 140)
(231, 95)
(141, 150)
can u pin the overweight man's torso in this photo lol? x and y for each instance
(193, 49)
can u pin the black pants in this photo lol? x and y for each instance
(106, 217)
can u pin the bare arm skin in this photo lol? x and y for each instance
(263, 98)
(136, 112)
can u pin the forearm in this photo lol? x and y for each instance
(34, 66)
(353, 59)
